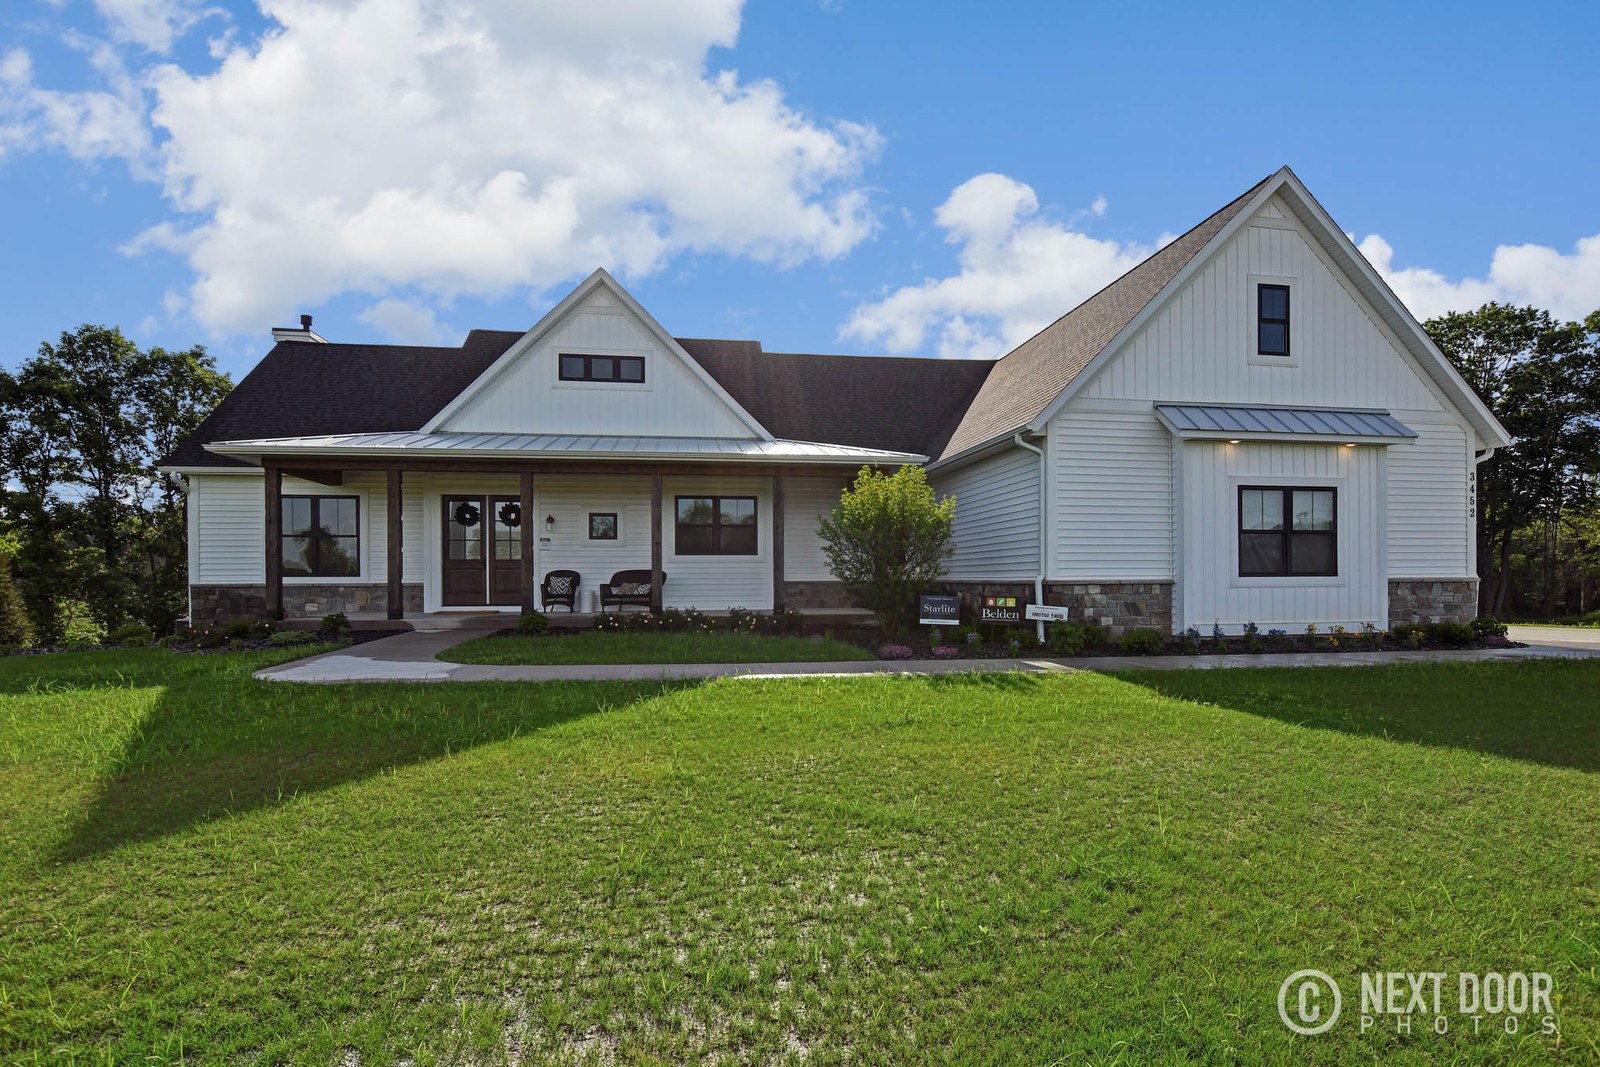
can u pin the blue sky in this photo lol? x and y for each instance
(931, 179)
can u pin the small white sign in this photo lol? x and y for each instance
(1047, 613)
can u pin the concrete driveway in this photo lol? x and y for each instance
(1575, 637)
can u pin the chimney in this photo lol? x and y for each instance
(303, 333)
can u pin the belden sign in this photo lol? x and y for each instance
(935, 610)
(1000, 609)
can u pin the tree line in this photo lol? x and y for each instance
(94, 536)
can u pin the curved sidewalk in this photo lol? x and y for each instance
(413, 657)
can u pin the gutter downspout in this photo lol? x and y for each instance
(1038, 582)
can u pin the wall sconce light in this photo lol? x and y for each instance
(549, 523)
(1234, 441)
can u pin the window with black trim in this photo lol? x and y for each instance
(626, 369)
(1272, 320)
(716, 526)
(602, 525)
(1288, 530)
(321, 536)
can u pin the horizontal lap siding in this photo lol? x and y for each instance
(1112, 501)
(997, 517)
(716, 582)
(1429, 529)
(229, 529)
(569, 501)
(806, 502)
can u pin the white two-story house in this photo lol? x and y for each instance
(1246, 427)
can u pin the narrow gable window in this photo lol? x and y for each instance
(1272, 320)
(576, 368)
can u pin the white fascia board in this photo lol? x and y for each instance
(600, 278)
(1179, 280)
(982, 450)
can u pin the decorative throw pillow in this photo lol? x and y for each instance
(560, 585)
(633, 588)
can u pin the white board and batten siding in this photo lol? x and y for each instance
(1212, 474)
(997, 517)
(527, 395)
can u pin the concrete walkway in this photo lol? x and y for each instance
(413, 657)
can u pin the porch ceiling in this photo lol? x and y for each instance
(507, 446)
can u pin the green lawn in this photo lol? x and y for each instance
(591, 647)
(1003, 869)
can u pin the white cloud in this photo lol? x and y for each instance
(88, 124)
(1568, 285)
(408, 323)
(446, 147)
(1018, 274)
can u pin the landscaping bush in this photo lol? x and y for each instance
(1454, 633)
(1066, 638)
(1189, 642)
(15, 629)
(887, 540)
(1252, 637)
(1489, 626)
(80, 629)
(131, 635)
(946, 652)
(607, 622)
(335, 625)
(253, 629)
(290, 638)
(533, 623)
(743, 620)
(895, 652)
(788, 621)
(1142, 641)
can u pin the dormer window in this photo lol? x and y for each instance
(1272, 320)
(626, 369)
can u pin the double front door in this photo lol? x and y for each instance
(483, 551)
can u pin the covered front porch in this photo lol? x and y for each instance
(385, 528)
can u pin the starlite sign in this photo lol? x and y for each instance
(939, 610)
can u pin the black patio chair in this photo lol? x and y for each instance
(560, 587)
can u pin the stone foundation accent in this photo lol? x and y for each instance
(813, 596)
(222, 603)
(1420, 601)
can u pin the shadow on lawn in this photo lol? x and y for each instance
(1543, 711)
(218, 746)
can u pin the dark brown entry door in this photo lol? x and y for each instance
(464, 573)
(505, 560)
(483, 551)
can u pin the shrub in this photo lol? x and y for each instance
(887, 540)
(131, 635)
(532, 623)
(607, 622)
(252, 629)
(79, 628)
(1252, 637)
(1488, 626)
(787, 621)
(336, 624)
(290, 638)
(14, 626)
(895, 652)
(946, 652)
(1142, 641)
(743, 620)
(1093, 635)
(1066, 638)
(1454, 633)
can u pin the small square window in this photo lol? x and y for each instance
(602, 525)
(1272, 320)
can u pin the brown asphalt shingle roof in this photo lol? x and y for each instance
(1024, 382)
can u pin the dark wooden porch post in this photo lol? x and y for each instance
(529, 594)
(777, 542)
(397, 531)
(655, 542)
(274, 526)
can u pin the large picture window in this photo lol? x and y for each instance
(716, 526)
(1287, 530)
(626, 369)
(321, 536)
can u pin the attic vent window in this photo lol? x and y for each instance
(627, 369)
(1272, 320)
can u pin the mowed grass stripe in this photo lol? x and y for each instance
(999, 869)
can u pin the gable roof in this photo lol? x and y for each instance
(1032, 382)
(304, 388)
(1027, 379)
(887, 402)
(600, 279)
